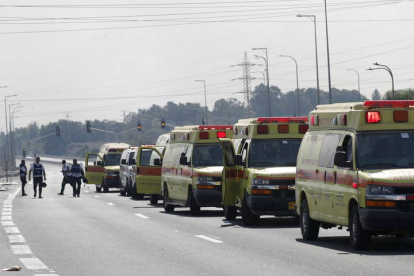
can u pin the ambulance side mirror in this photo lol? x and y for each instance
(238, 160)
(184, 161)
(340, 159)
(158, 162)
(123, 162)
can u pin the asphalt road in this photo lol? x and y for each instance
(109, 234)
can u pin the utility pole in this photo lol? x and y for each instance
(327, 51)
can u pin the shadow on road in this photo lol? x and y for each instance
(380, 246)
(201, 214)
(265, 222)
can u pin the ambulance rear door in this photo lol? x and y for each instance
(229, 180)
(94, 168)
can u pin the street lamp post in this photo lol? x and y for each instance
(12, 157)
(7, 152)
(267, 78)
(359, 87)
(316, 53)
(327, 52)
(263, 74)
(386, 68)
(297, 79)
(205, 98)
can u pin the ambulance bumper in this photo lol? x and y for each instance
(112, 182)
(207, 198)
(269, 205)
(388, 220)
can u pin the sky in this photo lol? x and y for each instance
(86, 60)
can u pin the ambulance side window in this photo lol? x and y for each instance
(244, 151)
(189, 153)
(332, 150)
(324, 149)
(347, 146)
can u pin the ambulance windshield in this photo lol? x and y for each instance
(112, 159)
(381, 150)
(207, 155)
(274, 153)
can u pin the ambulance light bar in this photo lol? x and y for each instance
(283, 128)
(282, 119)
(372, 117)
(389, 104)
(203, 135)
(215, 127)
(262, 129)
(221, 134)
(401, 116)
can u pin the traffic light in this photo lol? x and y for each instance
(203, 121)
(88, 127)
(162, 123)
(24, 153)
(57, 131)
(139, 126)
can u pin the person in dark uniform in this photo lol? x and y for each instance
(23, 174)
(76, 175)
(65, 172)
(38, 174)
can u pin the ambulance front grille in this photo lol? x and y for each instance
(282, 182)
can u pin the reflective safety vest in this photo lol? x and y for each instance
(23, 170)
(76, 170)
(37, 170)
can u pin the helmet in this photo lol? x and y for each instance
(44, 185)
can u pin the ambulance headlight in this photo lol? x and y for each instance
(379, 189)
(202, 178)
(260, 181)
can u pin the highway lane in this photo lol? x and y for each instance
(108, 234)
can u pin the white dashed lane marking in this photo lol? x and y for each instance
(11, 230)
(96, 196)
(6, 213)
(16, 238)
(110, 203)
(7, 223)
(5, 218)
(208, 239)
(142, 216)
(21, 249)
(33, 263)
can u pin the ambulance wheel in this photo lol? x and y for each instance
(248, 217)
(194, 208)
(308, 226)
(128, 188)
(153, 199)
(360, 238)
(122, 192)
(230, 212)
(105, 189)
(168, 208)
(98, 189)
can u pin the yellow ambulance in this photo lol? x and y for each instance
(260, 166)
(356, 169)
(146, 171)
(102, 169)
(192, 167)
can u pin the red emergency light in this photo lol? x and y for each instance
(215, 127)
(283, 128)
(389, 104)
(372, 117)
(221, 134)
(282, 119)
(303, 128)
(262, 129)
(401, 116)
(203, 135)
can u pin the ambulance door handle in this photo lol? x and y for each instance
(137, 170)
(316, 171)
(334, 173)
(324, 177)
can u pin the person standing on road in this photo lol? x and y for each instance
(65, 180)
(77, 173)
(38, 174)
(23, 174)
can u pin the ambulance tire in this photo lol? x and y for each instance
(134, 193)
(104, 187)
(98, 189)
(122, 192)
(360, 238)
(308, 226)
(168, 208)
(128, 188)
(153, 199)
(230, 212)
(194, 208)
(248, 217)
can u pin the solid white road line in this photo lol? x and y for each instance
(208, 239)
(21, 249)
(16, 238)
(33, 263)
(110, 203)
(142, 216)
(11, 230)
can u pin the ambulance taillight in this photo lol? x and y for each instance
(221, 134)
(283, 128)
(372, 117)
(262, 129)
(400, 116)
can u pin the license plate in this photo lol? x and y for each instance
(291, 205)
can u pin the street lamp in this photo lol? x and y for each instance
(297, 79)
(263, 74)
(12, 138)
(359, 87)
(7, 131)
(316, 53)
(11, 135)
(267, 77)
(386, 68)
(327, 52)
(205, 98)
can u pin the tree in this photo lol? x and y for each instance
(376, 96)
